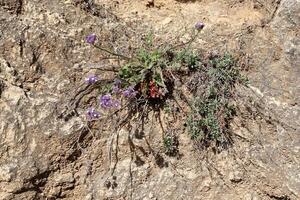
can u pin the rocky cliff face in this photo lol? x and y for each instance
(45, 152)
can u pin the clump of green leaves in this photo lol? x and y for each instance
(213, 109)
(149, 72)
(189, 59)
(171, 144)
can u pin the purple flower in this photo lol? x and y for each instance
(91, 79)
(116, 104)
(199, 26)
(106, 101)
(117, 82)
(116, 87)
(92, 114)
(129, 92)
(91, 38)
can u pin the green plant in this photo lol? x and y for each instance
(171, 145)
(212, 111)
(146, 83)
(149, 72)
(189, 59)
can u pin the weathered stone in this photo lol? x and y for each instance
(45, 151)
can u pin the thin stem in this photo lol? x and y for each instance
(191, 41)
(188, 42)
(111, 52)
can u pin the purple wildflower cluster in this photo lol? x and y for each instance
(91, 39)
(199, 26)
(106, 101)
(92, 114)
(91, 79)
(129, 92)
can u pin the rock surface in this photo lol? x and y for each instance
(45, 153)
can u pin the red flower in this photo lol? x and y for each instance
(153, 90)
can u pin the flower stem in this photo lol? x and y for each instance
(188, 42)
(112, 53)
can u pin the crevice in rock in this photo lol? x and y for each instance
(275, 197)
(90, 7)
(2, 86)
(35, 184)
(273, 14)
(13, 6)
(19, 8)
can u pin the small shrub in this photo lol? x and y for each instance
(171, 144)
(213, 109)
